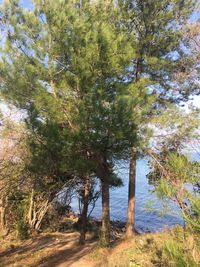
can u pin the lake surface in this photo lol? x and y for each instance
(150, 215)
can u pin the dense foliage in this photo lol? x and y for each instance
(95, 81)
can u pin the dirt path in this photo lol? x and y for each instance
(62, 250)
(48, 250)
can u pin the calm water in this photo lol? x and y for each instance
(150, 215)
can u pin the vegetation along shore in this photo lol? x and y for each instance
(88, 90)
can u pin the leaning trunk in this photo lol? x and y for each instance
(131, 199)
(105, 230)
(36, 212)
(85, 210)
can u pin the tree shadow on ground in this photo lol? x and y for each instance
(66, 256)
(57, 249)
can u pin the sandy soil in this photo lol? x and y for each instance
(47, 250)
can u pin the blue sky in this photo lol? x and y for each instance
(28, 4)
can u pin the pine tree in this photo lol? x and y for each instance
(65, 64)
(156, 27)
(84, 73)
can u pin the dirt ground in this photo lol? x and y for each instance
(62, 250)
(47, 250)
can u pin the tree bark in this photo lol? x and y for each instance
(30, 212)
(130, 227)
(85, 210)
(130, 230)
(2, 214)
(105, 230)
(40, 215)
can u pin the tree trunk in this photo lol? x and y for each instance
(2, 215)
(41, 214)
(30, 211)
(85, 210)
(130, 229)
(131, 199)
(2, 218)
(105, 230)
